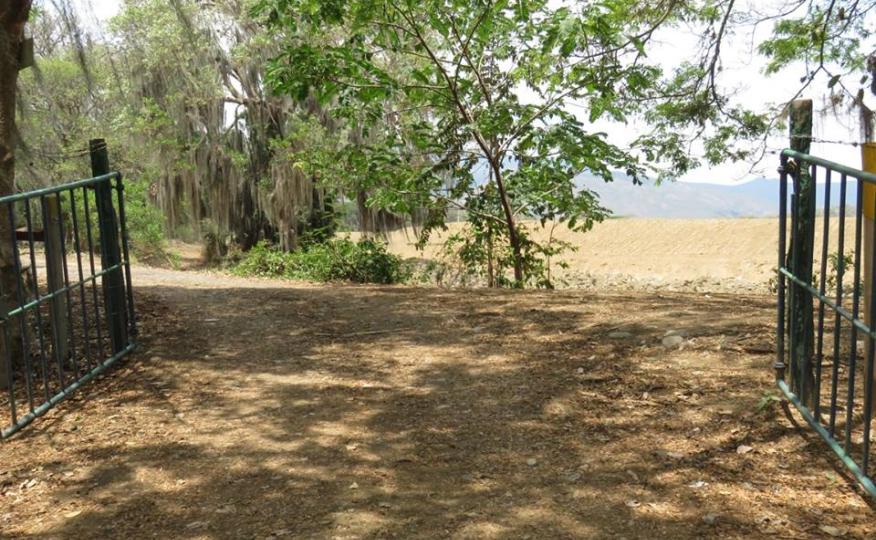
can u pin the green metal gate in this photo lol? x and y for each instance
(66, 303)
(821, 311)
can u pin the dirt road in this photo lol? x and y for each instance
(265, 409)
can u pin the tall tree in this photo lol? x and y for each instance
(13, 16)
(492, 85)
(194, 75)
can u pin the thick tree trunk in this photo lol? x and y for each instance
(13, 15)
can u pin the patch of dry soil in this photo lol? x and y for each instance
(647, 254)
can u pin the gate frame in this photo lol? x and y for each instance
(114, 275)
(803, 366)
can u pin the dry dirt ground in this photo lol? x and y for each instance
(269, 409)
(727, 255)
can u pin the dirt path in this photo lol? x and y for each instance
(262, 409)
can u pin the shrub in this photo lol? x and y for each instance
(144, 221)
(145, 226)
(365, 261)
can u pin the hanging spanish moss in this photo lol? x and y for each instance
(218, 150)
(225, 169)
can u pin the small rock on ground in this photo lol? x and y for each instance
(672, 341)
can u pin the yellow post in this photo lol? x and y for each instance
(868, 163)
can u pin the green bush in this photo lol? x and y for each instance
(365, 261)
(144, 221)
(145, 225)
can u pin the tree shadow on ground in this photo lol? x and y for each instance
(369, 412)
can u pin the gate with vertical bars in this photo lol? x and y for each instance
(825, 321)
(66, 303)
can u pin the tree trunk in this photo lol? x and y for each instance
(12, 18)
(513, 238)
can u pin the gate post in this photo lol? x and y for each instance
(802, 336)
(868, 163)
(55, 275)
(110, 255)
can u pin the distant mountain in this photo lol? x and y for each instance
(755, 198)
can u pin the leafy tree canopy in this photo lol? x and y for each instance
(420, 109)
(833, 40)
(437, 91)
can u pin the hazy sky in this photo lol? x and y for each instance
(104, 9)
(100, 9)
(742, 71)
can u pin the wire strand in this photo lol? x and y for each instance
(827, 141)
(60, 155)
